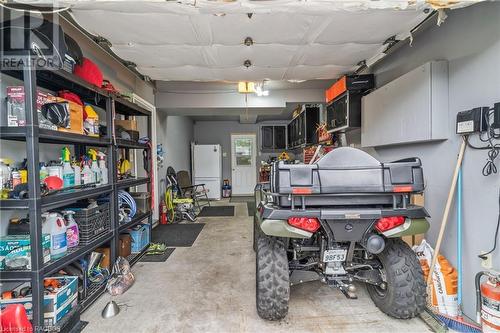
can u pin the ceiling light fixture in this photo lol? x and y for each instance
(259, 90)
(245, 87)
(248, 41)
(219, 14)
(247, 63)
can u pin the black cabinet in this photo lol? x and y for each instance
(302, 128)
(344, 112)
(273, 137)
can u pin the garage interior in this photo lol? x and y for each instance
(202, 100)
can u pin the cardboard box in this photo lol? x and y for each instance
(106, 257)
(129, 124)
(56, 305)
(16, 115)
(19, 246)
(125, 246)
(75, 117)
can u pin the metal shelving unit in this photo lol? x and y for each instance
(32, 135)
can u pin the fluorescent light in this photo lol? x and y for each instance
(246, 87)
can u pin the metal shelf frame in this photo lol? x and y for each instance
(32, 135)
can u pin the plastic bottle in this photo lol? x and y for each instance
(44, 173)
(94, 167)
(4, 174)
(68, 172)
(72, 232)
(78, 172)
(102, 168)
(55, 226)
(87, 174)
(16, 177)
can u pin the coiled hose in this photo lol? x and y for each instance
(125, 199)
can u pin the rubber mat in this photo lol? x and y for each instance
(251, 208)
(177, 235)
(217, 211)
(242, 199)
(157, 257)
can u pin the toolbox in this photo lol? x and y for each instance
(341, 176)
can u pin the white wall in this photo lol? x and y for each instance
(176, 135)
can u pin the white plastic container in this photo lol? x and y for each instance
(68, 175)
(55, 226)
(78, 173)
(87, 175)
(72, 232)
(103, 169)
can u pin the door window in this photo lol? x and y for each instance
(243, 152)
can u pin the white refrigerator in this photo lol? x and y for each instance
(207, 168)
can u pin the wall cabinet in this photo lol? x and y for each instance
(302, 128)
(273, 137)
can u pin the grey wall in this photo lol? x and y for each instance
(175, 133)
(470, 41)
(219, 132)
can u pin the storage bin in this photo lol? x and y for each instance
(140, 237)
(142, 201)
(55, 305)
(75, 117)
(92, 222)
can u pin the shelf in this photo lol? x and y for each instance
(133, 258)
(76, 253)
(121, 143)
(132, 182)
(62, 198)
(7, 204)
(50, 136)
(125, 107)
(94, 291)
(19, 275)
(136, 220)
(56, 80)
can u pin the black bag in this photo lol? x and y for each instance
(44, 38)
(74, 50)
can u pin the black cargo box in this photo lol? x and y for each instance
(345, 176)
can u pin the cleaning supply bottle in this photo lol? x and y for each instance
(78, 172)
(55, 226)
(72, 232)
(44, 173)
(94, 167)
(68, 172)
(87, 174)
(102, 167)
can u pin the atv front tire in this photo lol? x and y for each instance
(404, 295)
(272, 278)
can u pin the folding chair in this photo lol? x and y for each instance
(197, 192)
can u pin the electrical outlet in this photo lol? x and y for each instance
(487, 263)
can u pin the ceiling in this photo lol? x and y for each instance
(202, 40)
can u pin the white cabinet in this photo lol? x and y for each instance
(411, 108)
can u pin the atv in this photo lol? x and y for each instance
(340, 221)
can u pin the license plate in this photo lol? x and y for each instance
(335, 255)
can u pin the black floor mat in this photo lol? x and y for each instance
(177, 235)
(251, 208)
(242, 199)
(217, 211)
(157, 257)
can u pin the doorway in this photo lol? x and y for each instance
(243, 163)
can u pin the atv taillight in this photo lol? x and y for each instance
(310, 224)
(388, 223)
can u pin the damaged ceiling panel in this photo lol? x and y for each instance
(204, 40)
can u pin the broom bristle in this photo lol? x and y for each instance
(458, 324)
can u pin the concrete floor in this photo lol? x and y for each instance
(210, 287)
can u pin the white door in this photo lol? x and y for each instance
(243, 165)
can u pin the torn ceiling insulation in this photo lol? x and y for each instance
(202, 40)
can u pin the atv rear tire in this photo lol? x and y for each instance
(272, 278)
(405, 293)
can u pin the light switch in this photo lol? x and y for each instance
(224, 154)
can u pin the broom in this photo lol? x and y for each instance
(458, 324)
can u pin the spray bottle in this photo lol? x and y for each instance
(94, 167)
(72, 232)
(68, 172)
(102, 167)
(87, 174)
(78, 171)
